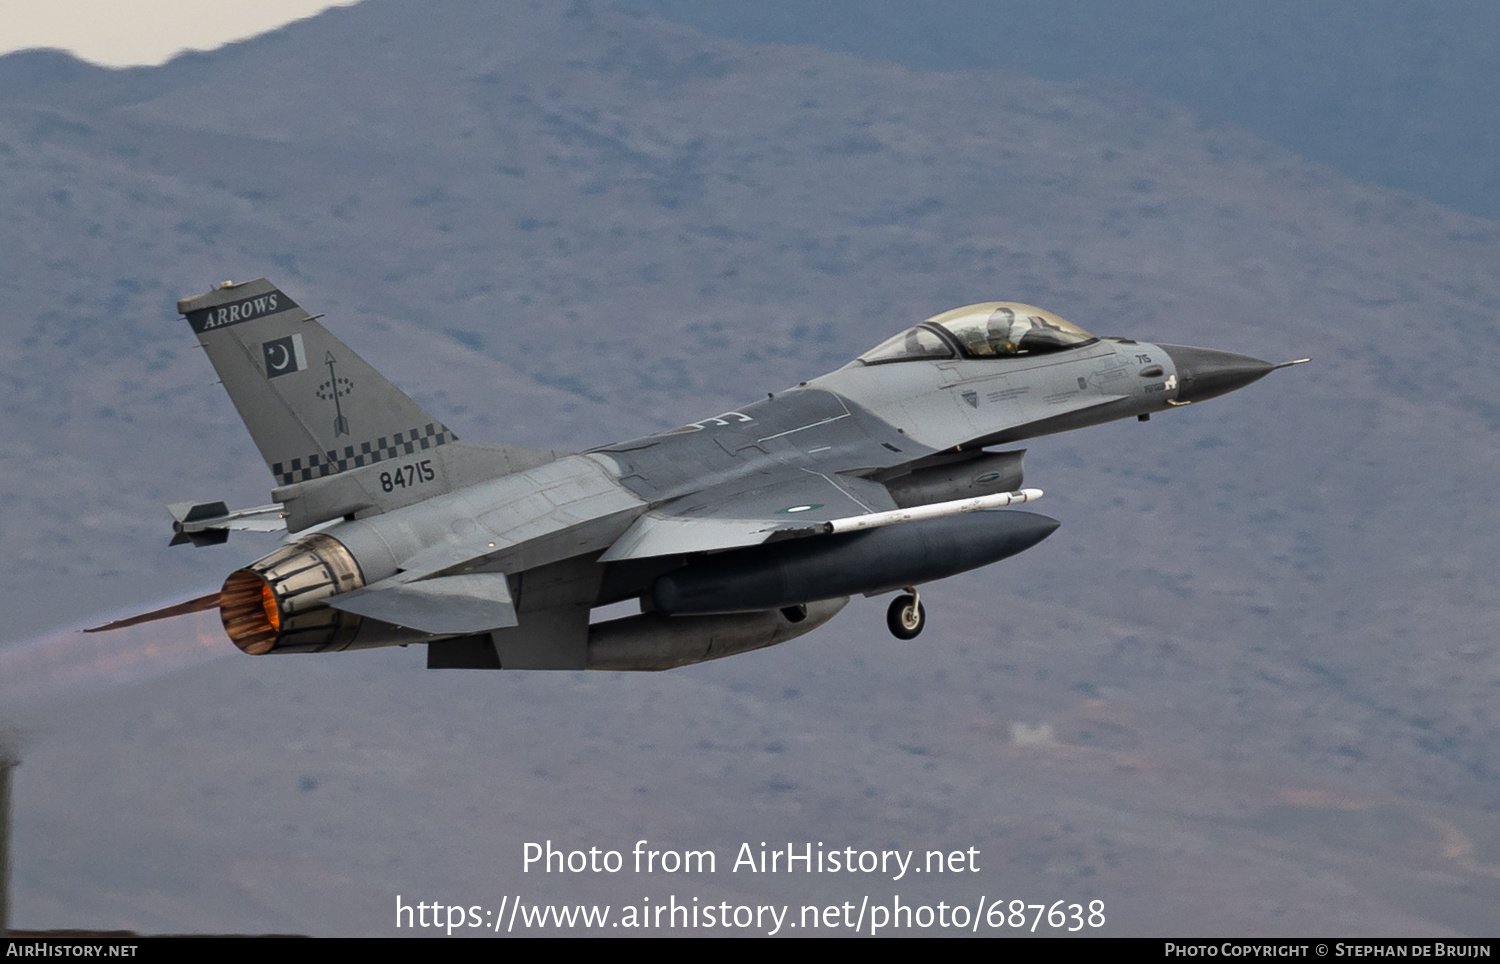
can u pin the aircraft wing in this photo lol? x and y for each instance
(785, 503)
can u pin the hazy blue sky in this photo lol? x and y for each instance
(143, 31)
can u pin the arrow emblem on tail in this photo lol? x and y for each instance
(335, 388)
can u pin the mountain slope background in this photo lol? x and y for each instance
(1249, 687)
(1395, 93)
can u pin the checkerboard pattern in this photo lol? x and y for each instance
(334, 461)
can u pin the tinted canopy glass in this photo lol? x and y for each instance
(916, 342)
(998, 329)
(994, 329)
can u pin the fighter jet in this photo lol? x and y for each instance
(735, 532)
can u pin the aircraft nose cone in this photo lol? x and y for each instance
(1206, 373)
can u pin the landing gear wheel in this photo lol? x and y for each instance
(906, 617)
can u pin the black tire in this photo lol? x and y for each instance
(906, 617)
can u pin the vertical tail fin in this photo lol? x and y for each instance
(313, 407)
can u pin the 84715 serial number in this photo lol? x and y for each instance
(405, 476)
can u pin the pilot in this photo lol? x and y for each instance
(972, 335)
(1000, 324)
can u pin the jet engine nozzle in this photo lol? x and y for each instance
(1204, 373)
(276, 604)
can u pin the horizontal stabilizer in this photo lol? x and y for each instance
(445, 606)
(211, 601)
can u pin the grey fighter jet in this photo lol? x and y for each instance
(735, 532)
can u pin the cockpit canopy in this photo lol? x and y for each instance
(994, 329)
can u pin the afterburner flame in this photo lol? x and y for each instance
(268, 600)
(247, 605)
